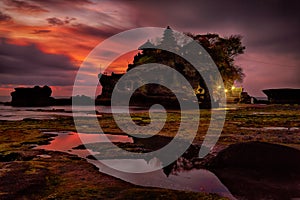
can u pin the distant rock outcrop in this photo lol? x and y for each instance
(283, 96)
(36, 96)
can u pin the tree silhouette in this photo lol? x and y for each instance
(223, 51)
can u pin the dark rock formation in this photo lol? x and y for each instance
(283, 96)
(108, 83)
(258, 155)
(36, 96)
(258, 170)
(41, 96)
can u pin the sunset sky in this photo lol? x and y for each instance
(43, 42)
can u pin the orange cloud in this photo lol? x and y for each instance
(71, 39)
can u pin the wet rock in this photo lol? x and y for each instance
(257, 170)
(258, 155)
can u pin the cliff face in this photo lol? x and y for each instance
(36, 96)
(147, 94)
(108, 83)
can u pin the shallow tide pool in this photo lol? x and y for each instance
(197, 180)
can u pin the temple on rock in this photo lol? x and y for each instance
(152, 93)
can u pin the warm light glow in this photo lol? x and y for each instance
(219, 87)
(226, 90)
(233, 87)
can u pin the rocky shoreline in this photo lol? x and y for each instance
(28, 173)
(254, 162)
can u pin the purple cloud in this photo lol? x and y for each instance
(269, 29)
(4, 17)
(23, 6)
(29, 65)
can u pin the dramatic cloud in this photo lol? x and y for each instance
(59, 22)
(23, 6)
(64, 3)
(100, 32)
(55, 21)
(29, 65)
(4, 17)
(269, 29)
(261, 22)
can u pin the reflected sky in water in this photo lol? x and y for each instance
(197, 180)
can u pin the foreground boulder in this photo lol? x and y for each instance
(258, 170)
(258, 155)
